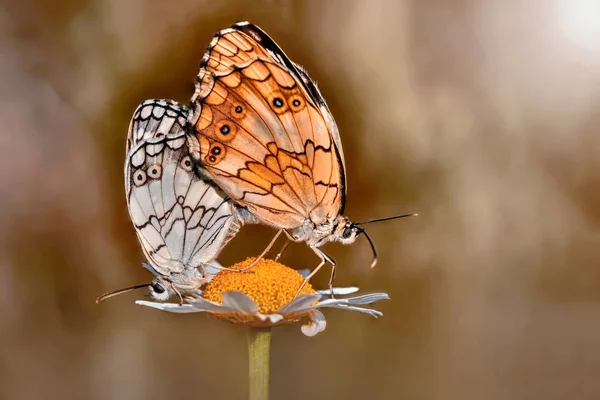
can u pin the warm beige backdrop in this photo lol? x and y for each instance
(480, 115)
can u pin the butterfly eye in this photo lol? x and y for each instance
(139, 177)
(349, 232)
(158, 288)
(154, 171)
(159, 291)
(186, 163)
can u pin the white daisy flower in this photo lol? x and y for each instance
(263, 297)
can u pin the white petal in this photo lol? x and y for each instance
(316, 325)
(273, 318)
(238, 301)
(299, 303)
(349, 303)
(362, 299)
(304, 272)
(369, 298)
(171, 307)
(202, 304)
(212, 268)
(341, 291)
(369, 311)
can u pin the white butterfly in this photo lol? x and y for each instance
(182, 222)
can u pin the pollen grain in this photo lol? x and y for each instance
(270, 284)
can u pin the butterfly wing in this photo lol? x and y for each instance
(264, 133)
(181, 221)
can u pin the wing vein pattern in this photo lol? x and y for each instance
(181, 220)
(262, 131)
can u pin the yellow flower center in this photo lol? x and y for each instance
(270, 284)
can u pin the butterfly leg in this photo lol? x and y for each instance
(178, 294)
(283, 248)
(333, 268)
(332, 277)
(265, 251)
(314, 271)
(324, 259)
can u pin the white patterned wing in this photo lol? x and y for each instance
(181, 221)
(156, 118)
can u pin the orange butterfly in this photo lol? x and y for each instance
(262, 131)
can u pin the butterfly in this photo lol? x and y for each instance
(261, 130)
(182, 222)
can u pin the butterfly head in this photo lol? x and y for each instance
(345, 231)
(163, 287)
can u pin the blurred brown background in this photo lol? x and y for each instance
(482, 116)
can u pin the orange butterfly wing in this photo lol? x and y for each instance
(264, 133)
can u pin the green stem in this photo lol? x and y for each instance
(259, 346)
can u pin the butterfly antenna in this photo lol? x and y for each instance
(108, 295)
(387, 219)
(374, 261)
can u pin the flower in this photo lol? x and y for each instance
(264, 296)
